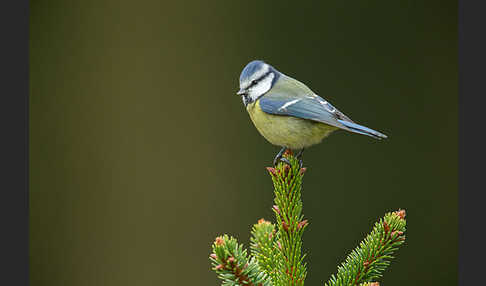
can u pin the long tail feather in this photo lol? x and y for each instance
(356, 128)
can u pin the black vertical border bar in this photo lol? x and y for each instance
(14, 132)
(472, 143)
(14, 20)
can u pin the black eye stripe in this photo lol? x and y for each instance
(255, 81)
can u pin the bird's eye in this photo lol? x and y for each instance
(253, 82)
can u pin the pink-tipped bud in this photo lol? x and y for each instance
(302, 171)
(219, 267)
(219, 240)
(401, 213)
(231, 259)
(275, 207)
(396, 232)
(302, 224)
(213, 256)
(272, 171)
(279, 245)
(285, 226)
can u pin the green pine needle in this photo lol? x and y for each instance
(262, 247)
(287, 182)
(276, 248)
(231, 263)
(367, 262)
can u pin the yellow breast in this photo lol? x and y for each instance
(288, 131)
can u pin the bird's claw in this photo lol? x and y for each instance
(280, 158)
(300, 157)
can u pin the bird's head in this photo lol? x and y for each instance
(256, 79)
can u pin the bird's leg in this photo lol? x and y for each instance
(280, 158)
(300, 157)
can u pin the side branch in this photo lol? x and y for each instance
(231, 263)
(368, 261)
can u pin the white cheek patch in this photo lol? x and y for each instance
(261, 87)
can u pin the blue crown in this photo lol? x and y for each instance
(250, 69)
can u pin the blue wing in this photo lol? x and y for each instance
(312, 107)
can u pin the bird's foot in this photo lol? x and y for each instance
(280, 157)
(300, 156)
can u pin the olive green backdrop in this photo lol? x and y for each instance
(141, 154)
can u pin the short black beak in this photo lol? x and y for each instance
(241, 92)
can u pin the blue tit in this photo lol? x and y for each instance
(287, 113)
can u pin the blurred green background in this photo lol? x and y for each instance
(141, 154)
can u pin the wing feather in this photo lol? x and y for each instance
(305, 108)
(290, 97)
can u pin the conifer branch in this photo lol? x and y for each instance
(287, 182)
(276, 249)
(263, 248)
(368, 261)
(232, 265)
(370, 284)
